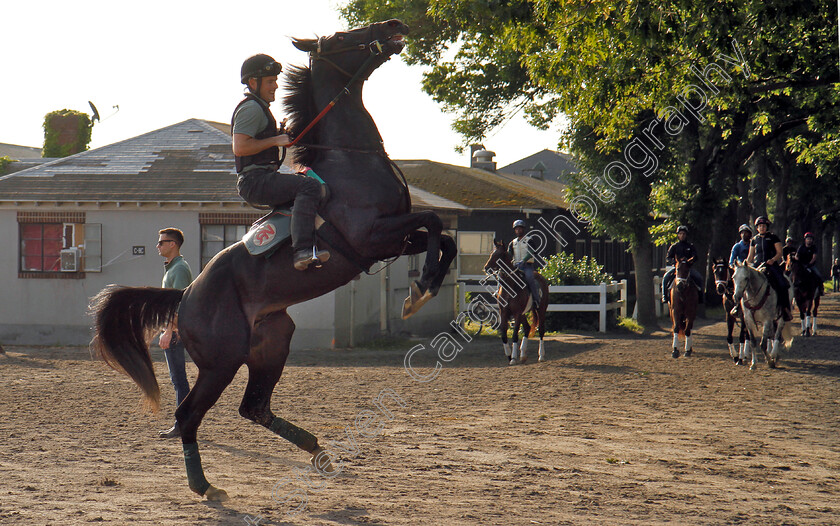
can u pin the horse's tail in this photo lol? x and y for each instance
(124, 318)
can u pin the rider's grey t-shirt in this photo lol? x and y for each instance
(249, 119)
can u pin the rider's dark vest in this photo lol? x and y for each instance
(765, 247)
(681, 250)
(267, 156)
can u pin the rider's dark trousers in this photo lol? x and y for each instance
(528, 270)
(779, 283)
(267, 186)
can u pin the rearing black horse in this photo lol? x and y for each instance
(234, 313)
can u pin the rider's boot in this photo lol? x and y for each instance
(786, 314)
(306, 257)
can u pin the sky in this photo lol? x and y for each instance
(162, 62)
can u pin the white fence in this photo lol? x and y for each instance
(602, 307)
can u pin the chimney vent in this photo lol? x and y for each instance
(483, 159)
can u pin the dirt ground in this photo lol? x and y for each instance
(611, 430)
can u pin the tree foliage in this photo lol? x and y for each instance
(755, 82)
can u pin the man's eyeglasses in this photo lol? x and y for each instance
(162, 241)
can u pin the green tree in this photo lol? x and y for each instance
(614, 70)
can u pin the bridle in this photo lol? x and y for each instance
(725, 282)
(375, 50)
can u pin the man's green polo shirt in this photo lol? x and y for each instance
(176, 274)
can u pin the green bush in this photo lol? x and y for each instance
(4, 163)
(66, 132)
(564, 269)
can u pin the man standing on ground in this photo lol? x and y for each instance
(176, 275)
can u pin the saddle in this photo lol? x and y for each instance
(269, 232)
(273, 230)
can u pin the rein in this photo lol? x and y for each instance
(761, 303)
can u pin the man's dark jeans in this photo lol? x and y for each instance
(176, 362)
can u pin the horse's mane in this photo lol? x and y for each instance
(300, 110)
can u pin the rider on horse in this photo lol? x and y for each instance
(681, 250)
(523, 257)
(788, 250)
(741, 249)
(256, 146)
(807, 255)
(766, 249)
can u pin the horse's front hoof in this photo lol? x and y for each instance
(688, 353)
(215, 494)
(513, 361)
(736, 360)
(542, 359)
(676, 353)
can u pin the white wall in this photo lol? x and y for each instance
(54, 311)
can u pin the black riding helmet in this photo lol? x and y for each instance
(259, 66)
(682, 228)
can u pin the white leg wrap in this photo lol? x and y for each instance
(814, 325)
(676, 341)
(514, 355)
(542, 350)
(732, 352)
(523, 347)
(507, 349)
(804, 323)
(688, 346)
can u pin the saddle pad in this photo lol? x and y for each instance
(264, 237)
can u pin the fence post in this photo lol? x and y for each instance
(462, 296)
(602, 317)
(624, 298)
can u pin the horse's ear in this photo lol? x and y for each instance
(305, 44)
(498, 242)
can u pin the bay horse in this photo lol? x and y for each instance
(759, 304)
(514, 300)
(807, 290)
(684, 299)
(725, 286)
(234, 313)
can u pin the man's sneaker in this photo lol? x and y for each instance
(304, 258)
(172, 432)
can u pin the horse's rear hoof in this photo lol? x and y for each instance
(688, 353)
(513, 361)
(676, 353)
(736, 360)
(772, 364)
(542, 359)
(215, 494)
(321, 462)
